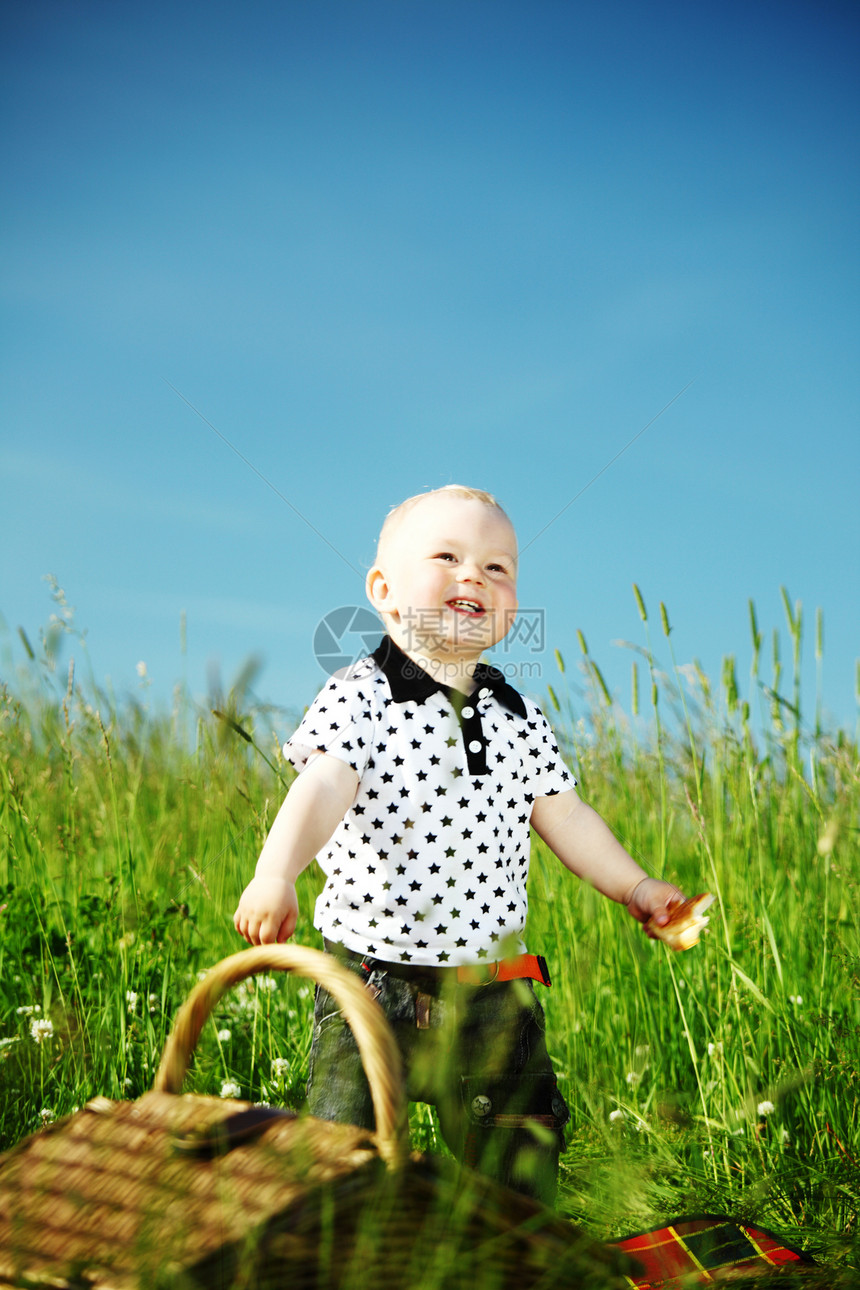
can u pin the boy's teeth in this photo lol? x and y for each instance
(466, 604)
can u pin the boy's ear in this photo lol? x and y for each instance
(377, 588)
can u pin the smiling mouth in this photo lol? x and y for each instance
(466, 606)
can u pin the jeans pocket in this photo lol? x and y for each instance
(513, 1102)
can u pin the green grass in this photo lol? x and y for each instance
(721, 1079)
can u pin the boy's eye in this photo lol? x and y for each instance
(445, 555)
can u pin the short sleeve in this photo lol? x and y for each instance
(550, 775)
(338, 722)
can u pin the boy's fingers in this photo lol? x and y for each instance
(248, 929)
(268, 933)
(663, 913)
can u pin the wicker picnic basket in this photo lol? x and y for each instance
(181, 1191)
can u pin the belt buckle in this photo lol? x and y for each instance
(497, 967)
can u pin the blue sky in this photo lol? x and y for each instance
(385, 246)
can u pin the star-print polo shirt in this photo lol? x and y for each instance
(429, 864)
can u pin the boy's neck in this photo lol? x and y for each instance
(454, 670)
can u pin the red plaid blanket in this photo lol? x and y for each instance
(709, 1247)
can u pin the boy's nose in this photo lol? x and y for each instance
(470, 573)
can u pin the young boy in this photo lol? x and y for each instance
(422, 772)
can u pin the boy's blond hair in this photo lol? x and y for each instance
(397, 513)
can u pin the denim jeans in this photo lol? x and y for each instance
(476, 1053)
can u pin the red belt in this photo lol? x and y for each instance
(523, 966)
(531, 966)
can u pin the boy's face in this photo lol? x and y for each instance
(446, 578)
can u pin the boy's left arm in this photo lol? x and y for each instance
(587, 847)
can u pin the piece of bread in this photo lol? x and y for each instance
(685, 922)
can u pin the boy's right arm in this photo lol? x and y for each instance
(311, 812)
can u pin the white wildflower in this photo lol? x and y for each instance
(131, 999)
(633, 1078)
(224, 1036)
(46, 1115)
(141, 670)
(785, 1138)
(242, 1000)
(796, 999)
(765, 1108)
(27, 1009)
(642, 1050)
(128, 1083)
(715, 1050)
(280, 1068)
(41, 1028)
(265, 984)
(230, 1089)
(152, 1003)
(616, 1116)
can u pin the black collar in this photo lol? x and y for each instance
(409, 681)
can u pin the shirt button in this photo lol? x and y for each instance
(485, 693)
(475, 745)
(468, 712)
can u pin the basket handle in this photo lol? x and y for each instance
(379, 1053)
